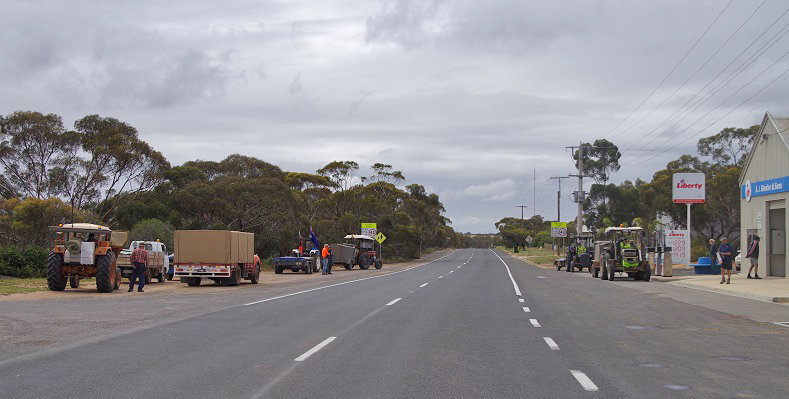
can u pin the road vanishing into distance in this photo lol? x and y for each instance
(473, 323)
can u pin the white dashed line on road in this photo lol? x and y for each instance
(551, 343)
(541, 277)
(393, 302)
(526, 309)
(460, 266)
(422, 285)
(584, 380)
(315, 349)
(451, 271)
(521, 300)
(440, 276)
(535, 323)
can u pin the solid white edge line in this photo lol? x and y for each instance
(393, 302)
(584, 380)
(551, 343)
(514, 284)
(521, 300)
(422, 285)
(346, 282)
(535, 323)
(314, 349)
(526, 309)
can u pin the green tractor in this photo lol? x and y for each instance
(624, 253)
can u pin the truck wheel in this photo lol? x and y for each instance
(378, 264)
(192, 281)
(55, 280)
(255, 277)
(647, 273)
(161, 278)
(595, 272)
(235, 278)
(558, 265)
(147, 278)
(103, 281)
(364, 261)
(117, 278)
(73, 282)
(316, 264)
(570, 266)
(277, 269)
(306, 268)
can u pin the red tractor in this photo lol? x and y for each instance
(357, 250)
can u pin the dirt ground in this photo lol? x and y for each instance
(39, 320)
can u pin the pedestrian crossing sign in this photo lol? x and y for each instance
(380, 238)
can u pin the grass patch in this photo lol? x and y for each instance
(10, 286)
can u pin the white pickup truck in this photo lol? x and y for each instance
(158, 260)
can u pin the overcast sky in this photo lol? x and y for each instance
(464, 97)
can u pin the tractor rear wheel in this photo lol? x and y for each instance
(378, 264)
(364, 261)
(103, 281)
(55, 280)
(73, 282)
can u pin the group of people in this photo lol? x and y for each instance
(724, 253)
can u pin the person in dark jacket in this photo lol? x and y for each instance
(753, 253)
(727, 257)
(714, 254)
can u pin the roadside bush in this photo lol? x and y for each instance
(26, 263)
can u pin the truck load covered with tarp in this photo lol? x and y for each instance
(219, 255)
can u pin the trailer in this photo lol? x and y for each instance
(357, 250)
(218, 255)
(307, 262)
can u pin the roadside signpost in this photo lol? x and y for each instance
(380, 237)
(559, 229)
(369, 229)
(688, 188)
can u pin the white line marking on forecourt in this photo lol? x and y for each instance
(314, 349)
(346, 282)
(526, 309)
(584, 380)
(551, 343)
(514, 284)
(535, 323)
(422, 285)
(393, 302)
(521, 300)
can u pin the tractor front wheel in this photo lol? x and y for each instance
(117, 278)
(103, 281)
(378, 264)
(55, 280)
(73, 282)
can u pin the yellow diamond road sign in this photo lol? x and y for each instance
(380, 238)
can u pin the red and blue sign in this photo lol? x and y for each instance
(764, 187)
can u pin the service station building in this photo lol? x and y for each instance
(764, 193)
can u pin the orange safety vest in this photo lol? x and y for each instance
(325, 252)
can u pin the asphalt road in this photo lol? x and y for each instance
(453, 328)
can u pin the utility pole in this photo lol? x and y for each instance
(579, 198)
(534, 193)
(521, 206)
(559, 204)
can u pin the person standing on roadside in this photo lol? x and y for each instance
(139, 259)
(714, 253)
(753, 253)
(325, 256)
(330, 262)
(726, 257)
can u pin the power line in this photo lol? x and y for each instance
(694, 73)
(718, 87)
(719, 119)
(670, 73)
